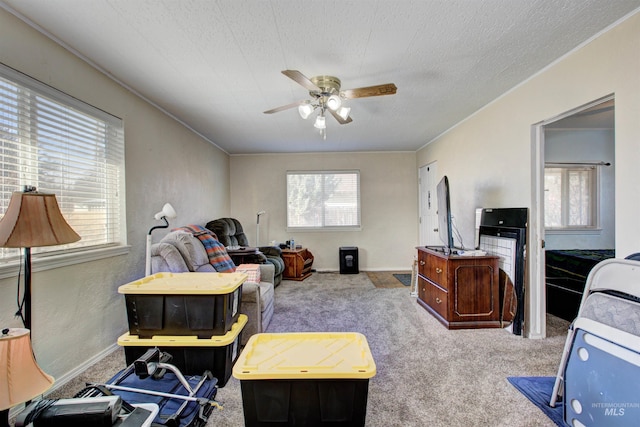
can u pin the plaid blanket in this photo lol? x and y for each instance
(217, 253)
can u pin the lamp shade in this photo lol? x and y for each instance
(320, 122)
(21, 379)
(34, 219)
(167, 212)
(344, 112)
(305, 110)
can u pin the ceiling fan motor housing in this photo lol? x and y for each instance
(328, 85)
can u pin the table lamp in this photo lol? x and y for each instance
(32, 220)
(21, 379)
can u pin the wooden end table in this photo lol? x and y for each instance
(297, 263)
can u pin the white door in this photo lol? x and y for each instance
(427, 176)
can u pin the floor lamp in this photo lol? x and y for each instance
(32, 220)
(258, 228)
(166, 212)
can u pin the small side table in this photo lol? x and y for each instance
(297, 263)
(243, 255)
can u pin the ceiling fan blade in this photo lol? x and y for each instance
(284, 107)
(338, 118)
(363, 92)
(301, 79)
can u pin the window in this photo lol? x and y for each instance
(321, 200)
(571, 197)
(63, 146)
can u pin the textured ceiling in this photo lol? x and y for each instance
(216, 65)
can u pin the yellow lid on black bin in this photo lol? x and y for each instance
(190, 283)
(305, 355)
(127, 340)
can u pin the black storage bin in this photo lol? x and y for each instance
(192, 355)
(305, 379)
(321, 402)
(183, 303)
(349, 260)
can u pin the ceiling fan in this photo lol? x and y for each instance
(326, 95)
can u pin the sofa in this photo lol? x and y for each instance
(230, 233)
(181, 252)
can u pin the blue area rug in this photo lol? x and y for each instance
(538, 391)
(405, 279)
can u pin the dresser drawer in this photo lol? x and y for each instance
(434, 297)
(435, 269)
(423, 258)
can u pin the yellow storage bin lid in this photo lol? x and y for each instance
(127, 340)
(308, 355)
(185, 284)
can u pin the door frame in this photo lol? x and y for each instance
(535, 297)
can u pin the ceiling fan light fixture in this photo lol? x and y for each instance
(320, 122)
(305, 110)
(343, 112)
(334, 102)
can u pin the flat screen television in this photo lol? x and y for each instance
(445, 230)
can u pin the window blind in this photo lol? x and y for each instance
(63, 146)
(327, 199)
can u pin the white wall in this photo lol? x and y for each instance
(585, 145)
(77, 311)
(389, 205)
(488, 157)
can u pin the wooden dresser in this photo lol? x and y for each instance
(460, 291)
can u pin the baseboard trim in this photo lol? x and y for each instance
(64, 379)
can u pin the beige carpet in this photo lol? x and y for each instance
(426, 374)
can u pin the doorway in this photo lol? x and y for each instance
(579, 140)
(428, 201)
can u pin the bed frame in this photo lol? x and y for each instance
(566, 272)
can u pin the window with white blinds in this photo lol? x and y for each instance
(327, 199)
(63, 146)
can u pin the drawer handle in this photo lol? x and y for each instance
(422, 262)
(438, 300)
(438, 270)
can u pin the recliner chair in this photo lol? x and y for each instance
(230, 233)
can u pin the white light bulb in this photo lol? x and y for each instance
(334, 102)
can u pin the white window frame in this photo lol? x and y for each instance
(114, 242)
(594, 207)
(323, 227)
